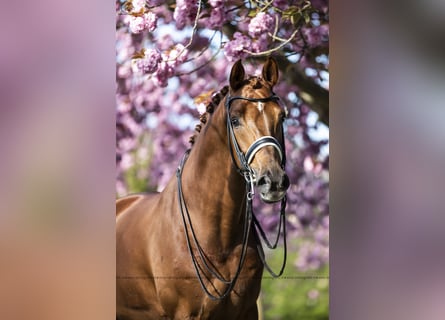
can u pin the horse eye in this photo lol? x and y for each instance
(235, 121)
(283, 117)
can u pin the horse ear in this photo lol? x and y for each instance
(237, 75)
(270, 71)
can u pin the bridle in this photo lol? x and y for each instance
(257, 145)
(249, 176)
(247, 172)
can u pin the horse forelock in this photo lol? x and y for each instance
(254, 83)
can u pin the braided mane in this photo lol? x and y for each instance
(210, 108)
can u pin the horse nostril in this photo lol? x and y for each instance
(264, 180)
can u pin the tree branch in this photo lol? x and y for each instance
(315, 96)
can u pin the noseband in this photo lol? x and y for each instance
(247, 172)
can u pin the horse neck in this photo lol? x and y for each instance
(213, 189)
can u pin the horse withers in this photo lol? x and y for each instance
(188, 252)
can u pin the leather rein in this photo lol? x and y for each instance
(247, 172)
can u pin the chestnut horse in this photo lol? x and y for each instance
(187, 252)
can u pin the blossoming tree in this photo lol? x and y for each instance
(171, 56)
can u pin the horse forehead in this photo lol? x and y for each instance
(259, 111)
(256, 90)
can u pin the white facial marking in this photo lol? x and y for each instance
(260, 106)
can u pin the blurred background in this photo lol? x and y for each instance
(172, 56)
(387, 177)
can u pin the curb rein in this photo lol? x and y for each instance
(247, 172)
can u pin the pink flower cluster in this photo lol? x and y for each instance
(148, 64)
(138, 5)
(170, 61)
(316, 36)
(260, 24)
(178, 54)
(312, 255)
(237, 48)
(138, 24)
(218, 15)
(185, 12)
(162, 66)
(257, 42)
(234, 49)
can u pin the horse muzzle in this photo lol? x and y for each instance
(272, 187)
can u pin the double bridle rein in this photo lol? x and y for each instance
(249, 176)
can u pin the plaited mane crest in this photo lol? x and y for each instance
(210, 108)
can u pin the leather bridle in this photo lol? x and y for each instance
(248, 173)
(246, 159)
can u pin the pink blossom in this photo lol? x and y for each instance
(164, 72)
(178, 54)
(147, 22)
(198, 86)
(127, 161)
(138, 5)
(124, 106)
(153, 57)
(217, 18)
(217, 15)
(235, 49)
(185, 11)
(148, 64)
(260, 44)
(131, 124)
(137, 24)
(165, 42)
(316, 36)
(260, 24)
(124, 70)
(150, 21)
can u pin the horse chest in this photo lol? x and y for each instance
(183, 297)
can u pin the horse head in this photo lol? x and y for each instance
(255, 122)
